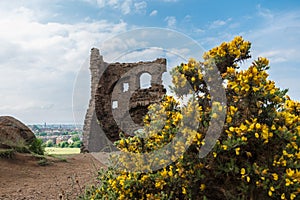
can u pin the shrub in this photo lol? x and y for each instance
(49, 143)
(75, 144)
(63, 144)
(6, 153)
(36, 146)
(256, 156)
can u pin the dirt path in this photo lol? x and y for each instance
(23, 178)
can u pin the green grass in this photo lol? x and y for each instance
(61, 151)
(6, 153)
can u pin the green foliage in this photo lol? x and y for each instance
(49, 143)
(6, 153)
(75, 138)
(36, 146)
(75, 144)
(63, 144)
(256, 156)
(41, 134)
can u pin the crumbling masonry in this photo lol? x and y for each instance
(118, 102)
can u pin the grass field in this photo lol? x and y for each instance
(61, 151)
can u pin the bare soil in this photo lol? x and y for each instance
(23, 177)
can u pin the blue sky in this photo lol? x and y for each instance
(45, 43)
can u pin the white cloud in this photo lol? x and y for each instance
(125, 6)
(39, 62)
(101, 3)
(140, 7)
(266, 13)
(279, 37)
(219, 23)
(171, 21)
(279, 41)
(153, 13)
(274, 35)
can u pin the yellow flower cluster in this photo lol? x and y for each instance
(252, 80)
(237, 48)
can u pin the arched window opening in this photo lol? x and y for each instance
(145, 80)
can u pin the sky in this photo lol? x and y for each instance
(45, 45)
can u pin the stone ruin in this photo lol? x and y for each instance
(118, 102)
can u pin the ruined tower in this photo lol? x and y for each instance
(118, 101)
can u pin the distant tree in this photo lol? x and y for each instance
(75, 138)
(42, 134)
(63, 144)
(49, 143)
(77, 144)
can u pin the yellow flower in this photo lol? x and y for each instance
(193, 79)
(145, 177)
(256, 135)
(288, 182)
(243, 127)
(163, 173)
(202, 187)
(275, 176)
(270, 193)
(224, 147)
(254, 70)
(122, 196)
(170, 173)
(265, 171)
(230, 70)
(255, 89)
(257, 126)
(236, 90)
(237, 151)
(248, 179)
(185, 67)
(122, 142)
(293, 196)
(183, 190)
(229, 119)
(243, 171)
(249, 154)
(160, 184)
(263, 61)
(283, 196)
(290, 172)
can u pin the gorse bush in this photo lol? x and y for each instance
(256, 155)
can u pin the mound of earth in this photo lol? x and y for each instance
(14, 133)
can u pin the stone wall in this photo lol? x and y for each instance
(118, 103)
